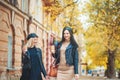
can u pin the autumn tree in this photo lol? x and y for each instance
(104, 16)
(69, 11)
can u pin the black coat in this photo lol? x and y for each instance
(26, 68)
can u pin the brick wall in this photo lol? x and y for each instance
(16, 24)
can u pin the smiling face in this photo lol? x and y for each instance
(35, 40)
(66, 35)
(32, 42)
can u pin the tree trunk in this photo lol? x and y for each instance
(111, 64)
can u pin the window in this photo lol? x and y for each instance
(9, 52)
(14, 2)
(25, 6)
(38, 14)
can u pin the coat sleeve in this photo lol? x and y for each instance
(42, 65)
(76, 61)
(26, 58)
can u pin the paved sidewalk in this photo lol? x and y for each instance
(95, 78)
(89, 78)
(84, 78)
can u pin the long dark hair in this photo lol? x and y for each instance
(72, 40)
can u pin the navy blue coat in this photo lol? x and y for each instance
(35, 58)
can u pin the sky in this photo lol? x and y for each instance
(83, 18)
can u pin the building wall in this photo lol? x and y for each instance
(15, 25)
(4, 30)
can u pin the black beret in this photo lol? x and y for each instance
(31, 35)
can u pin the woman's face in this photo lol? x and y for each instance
(35, 41)
(67, 35)
(32, 42)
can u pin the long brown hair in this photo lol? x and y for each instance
(72, 40)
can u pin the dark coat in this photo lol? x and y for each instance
(71, 56)
(27, 70)
(26, 66)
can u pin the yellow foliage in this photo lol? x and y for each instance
(104, 33)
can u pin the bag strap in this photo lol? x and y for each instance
(55, 60)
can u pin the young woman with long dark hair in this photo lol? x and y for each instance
(66, 55)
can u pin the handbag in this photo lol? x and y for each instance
(53, 70)
(53, 66)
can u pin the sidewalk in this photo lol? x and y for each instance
(95, 78)
(91, 78)
(84, 78)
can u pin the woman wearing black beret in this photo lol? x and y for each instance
(32, 60)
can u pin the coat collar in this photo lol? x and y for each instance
(68, 47)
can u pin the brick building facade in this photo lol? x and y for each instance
(17, 20)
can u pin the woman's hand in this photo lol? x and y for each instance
(24, 49)
(52, 49)
(76, 76)
(47, 77)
